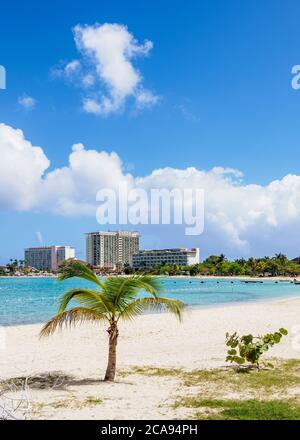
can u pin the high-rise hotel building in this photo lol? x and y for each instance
(110, 249)
(48, 257)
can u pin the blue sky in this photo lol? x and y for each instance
(222, 71)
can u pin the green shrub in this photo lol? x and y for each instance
(249, 349)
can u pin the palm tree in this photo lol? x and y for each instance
(115, 299)
(281, 257)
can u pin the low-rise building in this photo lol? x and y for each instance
(48, 257)
(147, 259)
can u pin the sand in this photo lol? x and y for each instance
(76, 359)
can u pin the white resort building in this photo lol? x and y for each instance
(109, 249)
(147, 259)
(48, 257)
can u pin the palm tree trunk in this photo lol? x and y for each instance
(112, 353)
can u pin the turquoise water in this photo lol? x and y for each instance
(34, 300)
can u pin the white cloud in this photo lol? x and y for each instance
(88, 80)
(240, 218)
(145, 98)
(107, 68)
(27, 102)
(72, 72)
(71, 190)
(91, 106)
(72, 67)
(186, 113)
(22, 166)
(39, 237)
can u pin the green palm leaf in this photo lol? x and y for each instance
(119, 291)
(73, 268)
(69, 318)
(87, 298)
(141, 305)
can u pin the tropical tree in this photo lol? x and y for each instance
(281, 258)
(12, 266)
(128, 270)
(115, 299)
(194, 270)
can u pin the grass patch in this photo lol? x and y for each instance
(284, 375)
(72, 403)
(234, 393)
(159, 372)
(244, 409)
(61, 404)
(93, 401)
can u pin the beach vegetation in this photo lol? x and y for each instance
(284, 375)
(90, 400)
(248, 349)
(234, 409)
(231, 393)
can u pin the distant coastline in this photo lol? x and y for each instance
(203, 277)
(229, 277)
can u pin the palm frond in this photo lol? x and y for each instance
(69, 318)
(87, 298)
(140, 305)
(150, 284)
(120, 290)
(73, 268)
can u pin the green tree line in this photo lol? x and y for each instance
(279, 265)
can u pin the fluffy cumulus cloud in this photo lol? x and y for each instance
(25, 183)
(236, 214)
(106, 70)
(72, 190)
(22, 167)
(239, 218)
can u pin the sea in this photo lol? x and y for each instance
(35, 300)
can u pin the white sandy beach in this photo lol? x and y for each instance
(79, 355)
